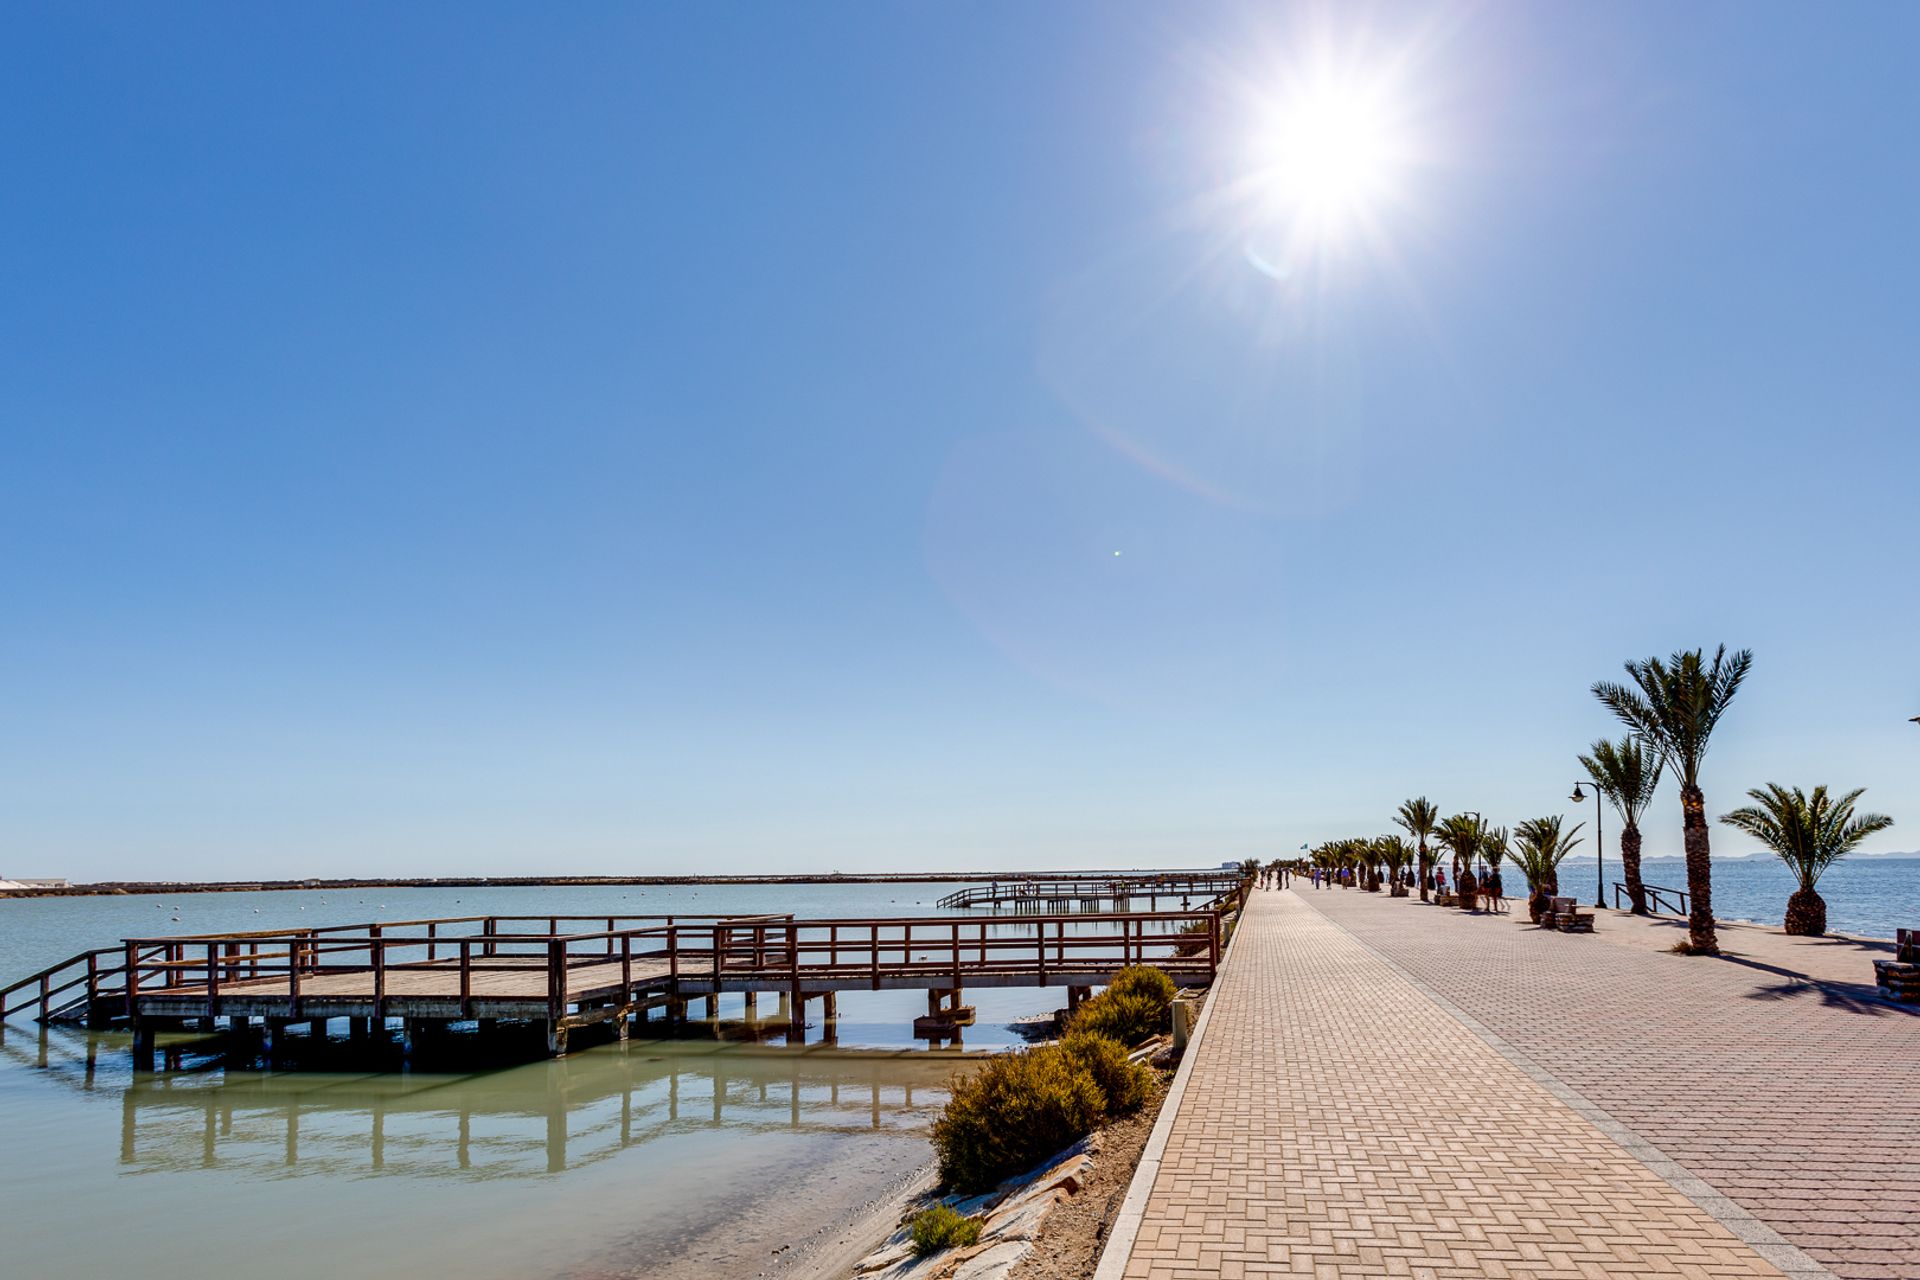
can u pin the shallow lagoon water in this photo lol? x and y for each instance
(659, 1158)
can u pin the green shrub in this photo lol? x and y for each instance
(1013, 1113)
(940, 1227)
(1195, 938)
(1125, 1084)
(1138, 1003)
(1144, 980)
(1127, 1019)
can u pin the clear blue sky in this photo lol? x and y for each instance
(655, 438)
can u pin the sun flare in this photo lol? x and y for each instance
(1326, 156)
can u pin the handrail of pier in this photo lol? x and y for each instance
(706, 952)
(46, 987)
(1658, 896)
(1103, 885)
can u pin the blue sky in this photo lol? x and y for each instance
(745, 438)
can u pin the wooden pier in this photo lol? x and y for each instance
(569, 972)
(1060, 895)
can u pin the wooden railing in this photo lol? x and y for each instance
(1659, 898)
(57, 986)
(703, 952)
(93, 979)
(1163, 885)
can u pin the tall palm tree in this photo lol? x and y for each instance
(1673, 708)
(1627, 774)
(1809, 833)
(1494, 848)
(1398, 855)
(1539, 847)
(1418, 818)
(1462, 835)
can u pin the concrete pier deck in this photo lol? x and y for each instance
(1384, 1088)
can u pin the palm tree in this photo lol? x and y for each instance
(1627, 774)
(1398, 855)
(1417, 817)
(1674, 710)
(1462, 835)
(1809, 833)
(1539, 847)
(1493, 849)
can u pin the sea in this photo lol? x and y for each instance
(1867, 897)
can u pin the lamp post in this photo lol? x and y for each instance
(1599, 844)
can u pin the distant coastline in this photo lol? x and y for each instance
(112, 887)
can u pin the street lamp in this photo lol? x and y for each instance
(1599, 844)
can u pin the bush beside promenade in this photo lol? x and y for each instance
(1020, 1109)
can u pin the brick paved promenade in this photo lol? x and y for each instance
(1340, 1122)
(1798, 1101)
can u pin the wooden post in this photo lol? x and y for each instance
(466, 978)
(378, 951)
(556, 985)
(213, 981)
(133, 980)
(1213, 944)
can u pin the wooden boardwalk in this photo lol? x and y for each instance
(568, 972)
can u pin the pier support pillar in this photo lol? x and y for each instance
(556, 1040)
(1074, 996)
(753, 1006)
(359, 1030)
(142, 1047)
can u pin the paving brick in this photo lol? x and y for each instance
(1341, 1123)
(1792, 1098)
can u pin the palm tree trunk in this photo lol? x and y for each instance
(1426, 873)
(1693, 810)
(1630, 863)
(1807, 913)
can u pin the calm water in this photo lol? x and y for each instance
(1868, 897)
(658, 1159)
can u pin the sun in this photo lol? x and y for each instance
(1327, 153)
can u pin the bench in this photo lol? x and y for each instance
(1899, 978)
(1566, 917)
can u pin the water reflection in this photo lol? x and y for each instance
(528, 1120)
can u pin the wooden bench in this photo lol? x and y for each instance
(1566, 917)
(1899, 978)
